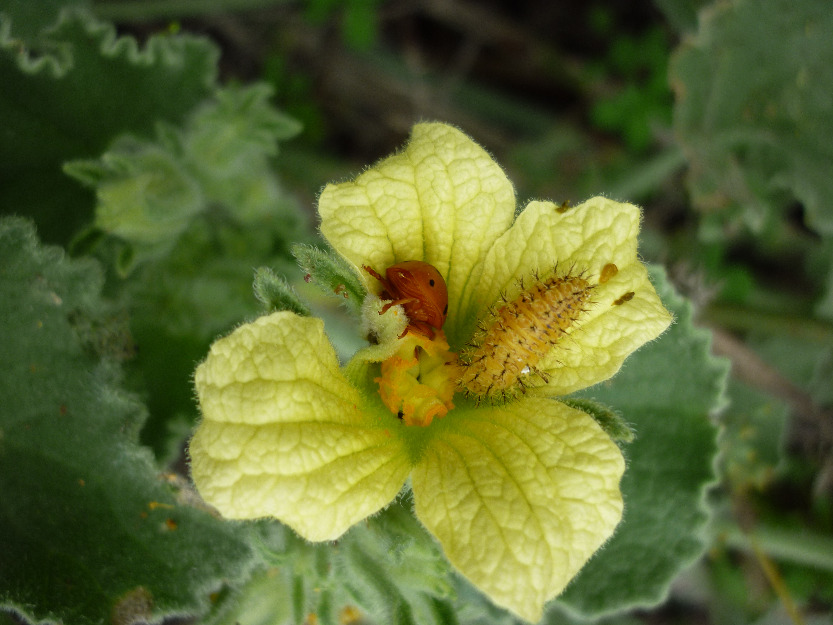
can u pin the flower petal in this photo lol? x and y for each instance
(586, 237)
(442, 200)
(582, 239)
(607, 334)
(520, 497)
(283, 434)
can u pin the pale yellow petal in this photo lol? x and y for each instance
(583, 238)
(442, 200)
(626, 314)
(283, 432)
(520, 497)
(580, 240)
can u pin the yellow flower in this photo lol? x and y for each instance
(519, 489)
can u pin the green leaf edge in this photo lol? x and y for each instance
(23, 231)
(720, 367)
(110, 45)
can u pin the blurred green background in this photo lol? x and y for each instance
(716, 117)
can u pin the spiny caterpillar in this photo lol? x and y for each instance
(521, 332)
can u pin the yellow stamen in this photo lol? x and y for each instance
(416, 383)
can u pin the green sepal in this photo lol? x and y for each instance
(275, 293)
(331, 273)
(611, 420)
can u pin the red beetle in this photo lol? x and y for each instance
(420, 289)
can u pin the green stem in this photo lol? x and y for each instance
(788, 545)
(150, 10)
(734, 317)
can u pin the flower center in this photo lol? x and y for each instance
(417, 382)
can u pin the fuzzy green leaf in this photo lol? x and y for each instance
(204, 287)
(149, 192)
(228, 143)
(29, 19)
(106, 85)
(250, 125)
(667, 391)
(144, 194)
(392, 568)
(751, 437)
(388, 568)
(188, 214)
(681, 14)
(89, 530)
(753, 111)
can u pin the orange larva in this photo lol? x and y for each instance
(521, 332)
